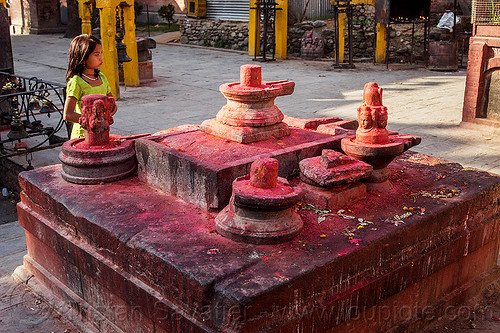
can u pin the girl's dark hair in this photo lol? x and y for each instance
(79, 50)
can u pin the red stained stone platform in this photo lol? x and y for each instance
(200, 168)
(128, 257)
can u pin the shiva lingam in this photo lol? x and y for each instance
(98, 157)
(259, 211)
(373, 144)
(331, 180)
(250, 114)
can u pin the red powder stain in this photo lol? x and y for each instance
(279, 275)
(342, 254)
(355, 241)
(265, 258)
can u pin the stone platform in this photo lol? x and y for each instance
(200, 168)
(127, 258)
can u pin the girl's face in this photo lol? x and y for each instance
(94, 60)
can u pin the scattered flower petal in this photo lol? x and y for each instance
(213, 251)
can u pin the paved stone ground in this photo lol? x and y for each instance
(420, 102)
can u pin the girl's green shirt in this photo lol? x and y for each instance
(77, 88)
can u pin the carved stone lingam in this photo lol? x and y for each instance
(331, 180)
(98, 157)
(259, 211)
(373, 144)
(250, 114)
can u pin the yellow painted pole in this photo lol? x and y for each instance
(108, 32)
(341, 36)
(381, 43)
(131, 68)
(4, 3)
(281, 27)
(253, 28)
(85, 16)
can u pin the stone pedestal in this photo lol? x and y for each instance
(250, 114)
(200, 168)
(329, 181)
(373, 143)
(260, 210)
(98, 157)
(123, 257)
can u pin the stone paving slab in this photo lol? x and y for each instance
(20, 310)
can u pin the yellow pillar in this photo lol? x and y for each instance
(108, 32)
(281, 27)
(341, 36)
(131, 68)
(4, 3)
(381, 43)
(253, 29)
(84, 8)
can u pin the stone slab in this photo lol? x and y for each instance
(328, 198)
(140, 248)
(200, 168)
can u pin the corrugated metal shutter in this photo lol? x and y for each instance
(316, 8)
(228, 10)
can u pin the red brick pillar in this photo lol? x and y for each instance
(474, 84)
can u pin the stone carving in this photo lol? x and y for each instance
(96, 118)
(373, 144)
(250, 114)
(99, 157)
(332, 168)
(311, 46)
(260, 211)
(372, 116)
(329, 181)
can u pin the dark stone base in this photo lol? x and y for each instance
(127, 258)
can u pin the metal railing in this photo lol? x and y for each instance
(24, 102)
(486, 12)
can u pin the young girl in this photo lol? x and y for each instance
(83, 78)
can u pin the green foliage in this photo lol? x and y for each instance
(167, 13)
(160, 27)
(222, 44)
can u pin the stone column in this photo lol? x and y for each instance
(107, 11)
(84, 11)
(131, 68)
